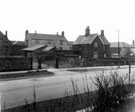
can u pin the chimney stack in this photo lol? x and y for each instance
(133, 42)
(102, 32)
(57, 33)
(87, 31)
(35, 32)
(6, 33)
(62, 33)
(26, 32)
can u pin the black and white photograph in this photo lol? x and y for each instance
(67, 55)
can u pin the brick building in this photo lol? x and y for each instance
(5, 45)
(92, 45)
(54, 40)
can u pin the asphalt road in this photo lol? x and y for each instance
(13, 93)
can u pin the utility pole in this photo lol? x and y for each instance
(118, 50)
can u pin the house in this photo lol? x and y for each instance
(92, 45)
(5, 45)
(55, 40)
(124, 49)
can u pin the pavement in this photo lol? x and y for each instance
(64, 69)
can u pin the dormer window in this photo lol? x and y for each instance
(95, 44)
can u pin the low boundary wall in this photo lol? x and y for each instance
(14, 63)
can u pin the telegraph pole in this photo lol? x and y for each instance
(118, 50)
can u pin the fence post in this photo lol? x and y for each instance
(129, 70)
(57, 61)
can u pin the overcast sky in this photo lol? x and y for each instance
(70, 16)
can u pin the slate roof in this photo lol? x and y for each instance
(1, 34)
(18, 42)
(4, 37)
(45, 36)
(104, 40)
(82, 39)
(48, 48)
(121, 44)
(33, 48)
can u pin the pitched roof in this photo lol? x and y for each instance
(45, 36)
(18, 42)
(33, 48)
(48, 48)
(1, 34)
(82, 39)
(104, 40)
(4, 37)
(121, 44)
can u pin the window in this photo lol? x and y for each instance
(60, 48)
(45, 42)
(95, 54)
(6, 48)
(104, 55)
(95, 44)
(27, 42)
(54, 43)
(61, 42)
(49, 41)
(103, 48)
(37, 41)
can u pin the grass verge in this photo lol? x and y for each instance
(29, 74)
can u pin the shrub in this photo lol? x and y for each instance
(111, 94)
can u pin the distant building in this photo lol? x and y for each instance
(124, 49)
(92, 45)
(17, 47)
(133, 48)
(70, 43)
(5, 45)
(56, 40)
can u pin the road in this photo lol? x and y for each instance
(13, 93)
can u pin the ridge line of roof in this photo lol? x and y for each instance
(94, 38)
(44, 34)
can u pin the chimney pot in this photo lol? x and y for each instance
(133, 42)
(87, 31)
(62, 33)
(6, 33)
(102, 32)
(26, 32)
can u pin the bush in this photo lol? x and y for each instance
(111, 94)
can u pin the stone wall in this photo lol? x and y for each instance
(14, 63)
